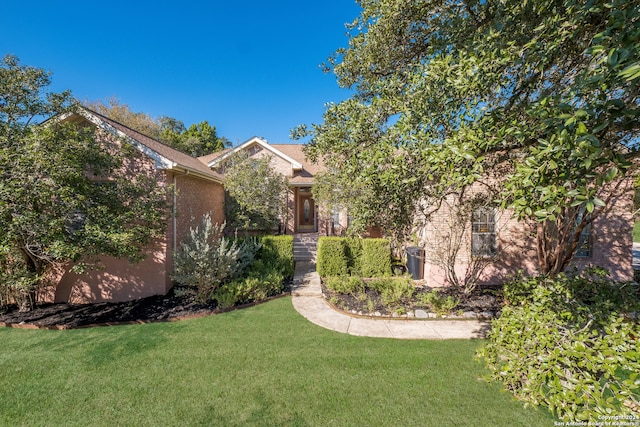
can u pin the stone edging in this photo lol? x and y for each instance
(467, 316)
(417, 315)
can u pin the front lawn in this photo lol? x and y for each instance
(260, 366)
(636, 231)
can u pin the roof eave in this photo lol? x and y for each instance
(295, 165)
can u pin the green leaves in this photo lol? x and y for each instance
(538, 98)
(631, 72)
(66, 191)
(586, 358)
(257, 193)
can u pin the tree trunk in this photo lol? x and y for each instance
(26, 300)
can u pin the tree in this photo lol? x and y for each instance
(201, 139)
(64, 195)
(122, 113)
(198, 140)
(539, 95)
(257, 193)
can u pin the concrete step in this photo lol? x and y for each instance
(305, 247)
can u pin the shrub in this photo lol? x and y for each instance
(278, 250)
(394, 291)
(258, 286)
(439, 303)
(341, 256)
(332, 259)
(376, 258)
(569, 344)
(351, 285)
(206, 258)
(353, 252)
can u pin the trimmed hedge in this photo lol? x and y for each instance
(341, 256)
(278, 250)
(332, 257)
(376, 258)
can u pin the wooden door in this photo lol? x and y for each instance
(306, 213)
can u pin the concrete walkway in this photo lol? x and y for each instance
(309, 302)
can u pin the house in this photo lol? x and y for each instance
(303, 216)
(195, 189)
(490, 245)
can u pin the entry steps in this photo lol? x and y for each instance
(305, 246)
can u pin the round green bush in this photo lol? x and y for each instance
(569, 343)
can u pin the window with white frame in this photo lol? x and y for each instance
(483, 232)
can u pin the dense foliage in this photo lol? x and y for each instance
(569, 343)
(65, 191)
(232, 271)
(197, 140)
(278, 251)
(332, 259)
(341, 256)
(206, 258)
(539, 96)
(265, 277)
(375, 258)
(257, 193)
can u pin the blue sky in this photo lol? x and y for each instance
(248, 67)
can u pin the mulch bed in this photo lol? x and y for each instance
(159, 308)
(484, 299)
(67, 316)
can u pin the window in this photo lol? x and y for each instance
(483, 232)
(307, 210)
(335, 217)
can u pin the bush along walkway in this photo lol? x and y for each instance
(310, 303)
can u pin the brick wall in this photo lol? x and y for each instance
(611, 242)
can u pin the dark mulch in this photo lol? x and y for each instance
(155, 308)
(151, 309)
(482, 300)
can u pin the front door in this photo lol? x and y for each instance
(306, 213)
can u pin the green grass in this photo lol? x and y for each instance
(260, 366)
(636, 231)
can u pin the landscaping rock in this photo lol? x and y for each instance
(421, 314)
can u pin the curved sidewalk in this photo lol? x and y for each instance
(309, 302)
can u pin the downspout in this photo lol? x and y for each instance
(175, 212)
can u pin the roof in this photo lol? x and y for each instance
(209, 157)
(309, 170)
(295, 164)
(303, 170)
(164, 156)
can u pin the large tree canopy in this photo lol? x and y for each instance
(197, 140)
(539, 95)
(64, 196)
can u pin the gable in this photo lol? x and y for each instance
(163, 156)
(257, 145)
